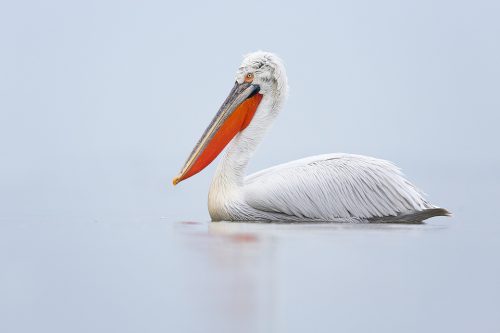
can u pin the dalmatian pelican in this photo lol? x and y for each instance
(330, 187)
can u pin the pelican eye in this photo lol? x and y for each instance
(249, 77)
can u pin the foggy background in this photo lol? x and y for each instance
(102, 101)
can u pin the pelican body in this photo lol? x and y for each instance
(331, 187)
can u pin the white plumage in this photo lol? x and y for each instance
(334, 187)
(331, 187)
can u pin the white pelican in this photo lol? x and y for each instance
(331, 187)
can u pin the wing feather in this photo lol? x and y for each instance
(334, 186)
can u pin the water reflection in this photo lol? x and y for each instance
(236, 285)
(232, 275)
(301, 228)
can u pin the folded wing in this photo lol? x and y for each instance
(334, 186)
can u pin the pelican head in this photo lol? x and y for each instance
(261, 77)
(267, 70)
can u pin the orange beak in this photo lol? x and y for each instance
(233, 117)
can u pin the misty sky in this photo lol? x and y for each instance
(102, 101)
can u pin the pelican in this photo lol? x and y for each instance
(332, 187)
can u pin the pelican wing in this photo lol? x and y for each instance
(334, 186)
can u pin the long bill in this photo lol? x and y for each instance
(234, 116)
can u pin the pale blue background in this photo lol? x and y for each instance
(102, 101)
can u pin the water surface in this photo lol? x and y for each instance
(157, 275)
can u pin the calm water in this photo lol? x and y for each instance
(156, 275)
